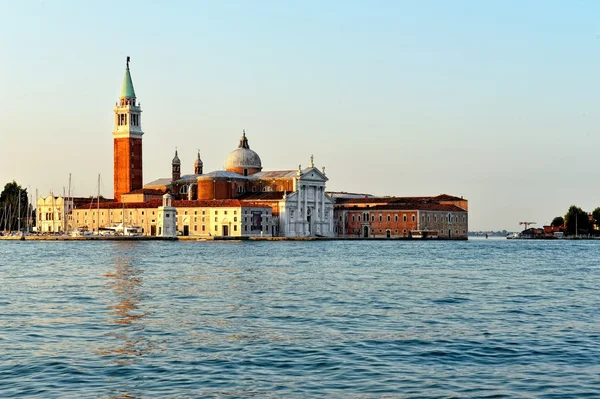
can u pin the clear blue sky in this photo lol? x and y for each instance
(496, 101)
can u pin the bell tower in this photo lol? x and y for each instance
(127, 134)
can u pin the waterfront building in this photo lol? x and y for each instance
(244, 199)
(216, 218)
(442, 216)
(297, 198)
(53, 213)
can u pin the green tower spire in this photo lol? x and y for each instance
(127, 88)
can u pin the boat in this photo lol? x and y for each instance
(120, 230)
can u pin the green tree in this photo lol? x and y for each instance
(557, 221)
(13, 211)
(596, 214)
(576, 218)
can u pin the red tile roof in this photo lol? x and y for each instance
(148, 191)
(406, 207)
(155, 203)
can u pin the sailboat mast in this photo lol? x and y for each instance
(98, 206)
(69, 204)
(19, 213)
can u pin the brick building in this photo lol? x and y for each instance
(443, 216)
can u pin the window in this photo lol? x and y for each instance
(216, 228)
(396, 219)
(235, 219)
(253, 188)
(203, 228)
(352, 217)
(235, 227)
(389, 218)
(435, 218)
(358, 216)
(216, 219)
(404, 217)
(235, 212)
(225, 212)
(413, 218)
(216, 212)
(240, 189)
(203, 213)
(422, 218)
(380, 217)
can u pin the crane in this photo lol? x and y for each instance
(526, 224)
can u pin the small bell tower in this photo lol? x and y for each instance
(175, 168)
(198, 165)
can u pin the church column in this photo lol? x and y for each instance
(323, 201)
(305, 224)
(317, 218)
(297, 218)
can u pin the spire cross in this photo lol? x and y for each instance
(128, 59)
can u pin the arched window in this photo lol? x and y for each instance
(240, 189)
(183, 190)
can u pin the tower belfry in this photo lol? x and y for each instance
(127, 135)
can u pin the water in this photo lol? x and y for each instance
(483, 318)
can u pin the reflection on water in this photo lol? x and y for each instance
(126, 342)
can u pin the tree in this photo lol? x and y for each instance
(12, 211)
(576, 219)
(557, 221)
(596, 215)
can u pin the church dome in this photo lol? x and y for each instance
(243, 159)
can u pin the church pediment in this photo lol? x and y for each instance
(313, 174)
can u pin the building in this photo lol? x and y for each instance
(443, 216)
(245, 199)
(53, 213)
(297, 198)
(204, 218)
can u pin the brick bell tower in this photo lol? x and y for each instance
(127, 135)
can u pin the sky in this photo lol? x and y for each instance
(495, 101)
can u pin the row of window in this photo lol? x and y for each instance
(365, 217)
(448, 218)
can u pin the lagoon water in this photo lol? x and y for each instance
(476, 319)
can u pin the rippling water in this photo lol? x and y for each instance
(483, 318)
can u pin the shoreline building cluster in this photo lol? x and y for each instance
(246, 200)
